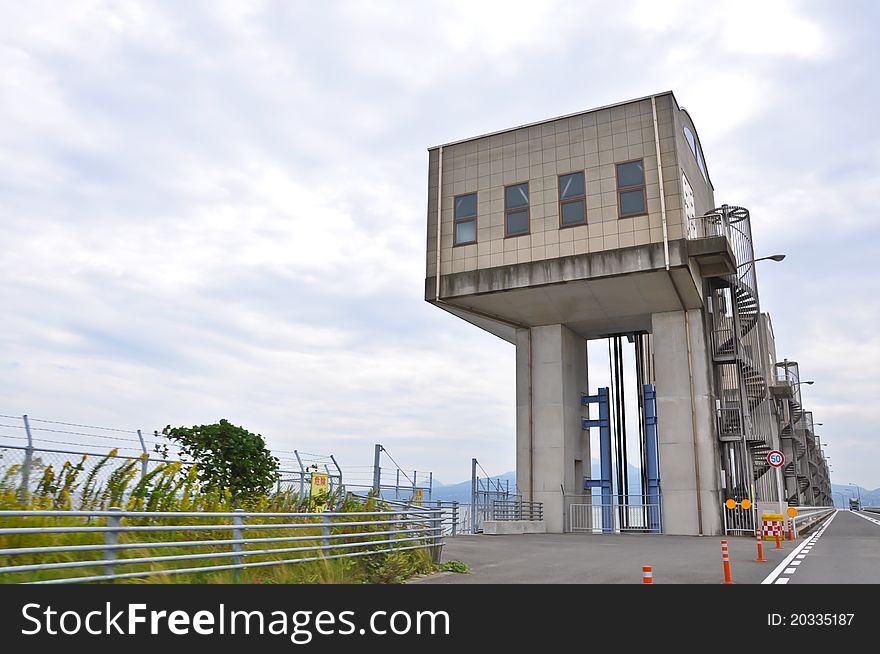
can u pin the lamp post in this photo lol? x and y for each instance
(772, 257)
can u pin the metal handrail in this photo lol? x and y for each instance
(516, 510)
(405, 529)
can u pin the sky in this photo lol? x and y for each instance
(218, 209)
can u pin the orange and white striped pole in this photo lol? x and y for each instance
(790, 535)
(725, 559)
(647, 575)
(778, 544)
(760, 558)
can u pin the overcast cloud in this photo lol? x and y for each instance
(217, 209)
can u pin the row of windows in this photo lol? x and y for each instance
(631, 201)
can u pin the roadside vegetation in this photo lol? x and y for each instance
(172, 486)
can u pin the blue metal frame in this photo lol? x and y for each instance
(603, 423)
(652, 458)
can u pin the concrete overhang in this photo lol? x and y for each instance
(713, 255)
(594, 294)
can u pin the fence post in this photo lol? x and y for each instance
(28, 459)
(144, 448)
(111, 537)
(437, 537)
(326, 524)
(302, 475)
(377, 468)
(473, 496)
(454, 517)
(237, 534)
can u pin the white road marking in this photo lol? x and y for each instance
(787, 561)
(869, 518)
(796, 562)
(801, 556)
(790, 571)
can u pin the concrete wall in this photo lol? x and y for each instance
(591, 142)
(678, 472)
(550, 443)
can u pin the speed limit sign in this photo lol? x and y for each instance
(776, 458)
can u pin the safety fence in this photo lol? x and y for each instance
(112, 545)
(743, 522)
(809, 515)
(631, 513)
(517, 509)
(33, 444)
(739, 521)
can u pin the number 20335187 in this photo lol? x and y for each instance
(810, 619)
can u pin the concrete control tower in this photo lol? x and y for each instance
(604, 224)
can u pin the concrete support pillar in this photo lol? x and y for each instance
(678, 455)
(551, 447)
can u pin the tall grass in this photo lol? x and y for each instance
(174, 487)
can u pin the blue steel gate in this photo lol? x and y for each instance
(616, 512)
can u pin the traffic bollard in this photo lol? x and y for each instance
(725, 559)
(760, 558)
(647, 575)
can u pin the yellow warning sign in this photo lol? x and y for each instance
(320, 490)
(746, 503)
(730, 504)
(418, 494)
(792, 512)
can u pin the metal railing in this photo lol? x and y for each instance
(708, 225)
(809, 515)
(451, 513)
(744, 521)
(516, 510)
(253, 543)
(638, 513)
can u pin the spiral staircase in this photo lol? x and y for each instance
(745, 394)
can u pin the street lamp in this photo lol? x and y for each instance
(772, 257)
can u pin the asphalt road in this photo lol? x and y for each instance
(847, 551)
(604, 559)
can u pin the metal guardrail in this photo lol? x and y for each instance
(809, 515)
(450, 512)
(516, 510)
(314, 536)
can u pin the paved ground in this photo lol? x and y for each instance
(846, 551)
(843, 549)
(603, 559)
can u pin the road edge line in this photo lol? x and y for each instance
(782, 566)
(868, 518)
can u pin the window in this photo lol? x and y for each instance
(466, 219)
(572, 200)
(516, 209)
(695, 150)
(631, 199)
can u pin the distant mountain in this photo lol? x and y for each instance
(842, 492)
(461, 492)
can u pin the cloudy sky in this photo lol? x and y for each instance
(217, 209)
